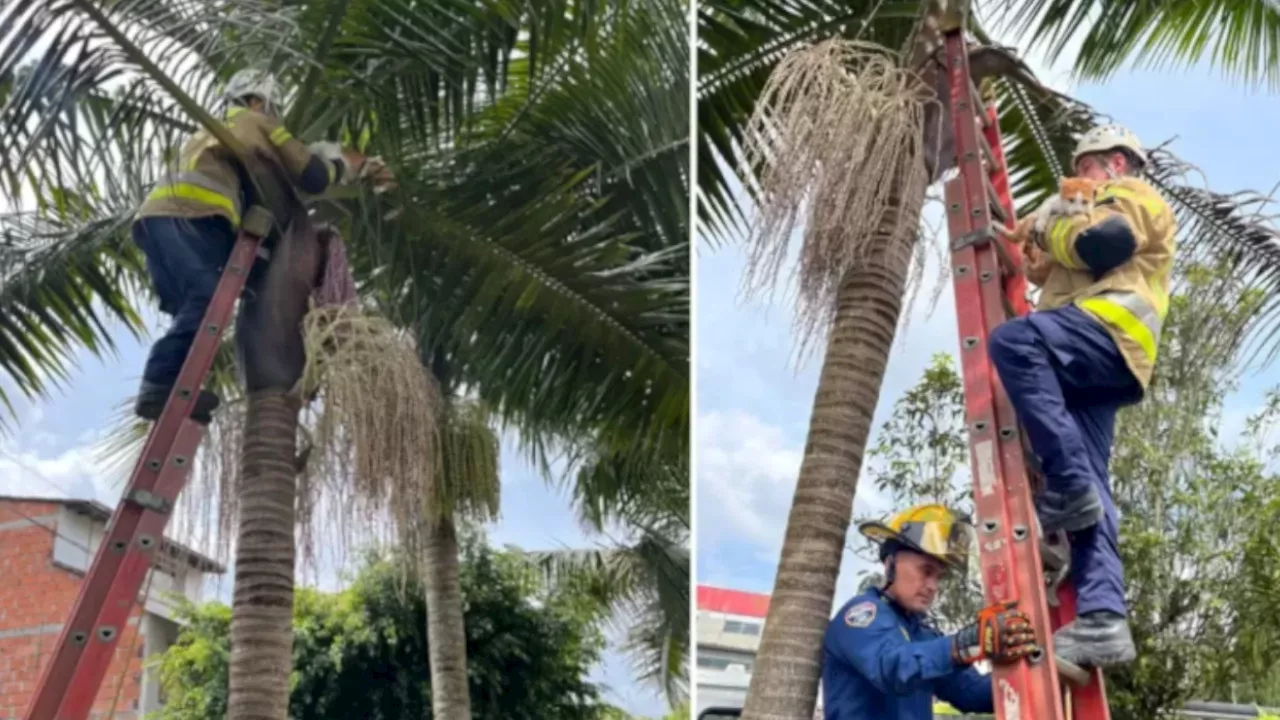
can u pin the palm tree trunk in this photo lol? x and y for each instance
(789, 664)
(262, 613)
(446, 637)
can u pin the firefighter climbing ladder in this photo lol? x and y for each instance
(69, 684)
(1012, 554)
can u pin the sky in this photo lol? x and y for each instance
(753, 404)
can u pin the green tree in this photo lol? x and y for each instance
(785, 88)
(923, 456)
(362, 652)
(1197, 509)
(1197, 512)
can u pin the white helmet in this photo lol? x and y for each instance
(256, 82)
(1108, 137)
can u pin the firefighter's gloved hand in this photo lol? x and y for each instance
(333, 151)
(1001, 635)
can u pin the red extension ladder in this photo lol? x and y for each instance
(990, 288)
(69, 684)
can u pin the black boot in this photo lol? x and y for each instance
(1099, 639)
(153, 396)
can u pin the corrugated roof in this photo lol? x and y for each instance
(98, 511)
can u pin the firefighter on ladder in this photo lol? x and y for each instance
(1086, 351)
(882, 660)
(187, 225)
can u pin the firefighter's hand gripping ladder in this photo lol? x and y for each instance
(990, 288)
(69, 684)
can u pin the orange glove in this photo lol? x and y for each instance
(1001, 634)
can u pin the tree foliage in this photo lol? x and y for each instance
(1198, 510)
(921, 455)
(362, 652)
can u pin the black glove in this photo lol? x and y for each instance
(1001, 634)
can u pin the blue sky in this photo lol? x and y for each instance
(51, 452)
(753, 406)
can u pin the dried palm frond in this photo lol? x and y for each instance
(838, 141)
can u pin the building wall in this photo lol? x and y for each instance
(36, 596)
(729, 632)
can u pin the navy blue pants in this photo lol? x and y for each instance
(185, 257)
(1067, 379)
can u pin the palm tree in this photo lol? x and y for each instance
(853, 277)
(468, 485)
(644, 574)
(536, 241)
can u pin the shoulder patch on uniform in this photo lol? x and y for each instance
(860, 615)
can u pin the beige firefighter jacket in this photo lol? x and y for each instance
(1130, 300)
(206, 179)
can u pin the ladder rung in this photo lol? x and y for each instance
(977, 102)
(996, 208)
(988, 155)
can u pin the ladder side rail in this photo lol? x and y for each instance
(1027, 688)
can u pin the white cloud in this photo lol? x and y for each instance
(71, 473)
(747, 471)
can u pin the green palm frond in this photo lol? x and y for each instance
(644, 576)
(1241, 38)
(61, 288)
(549, 256)
(646, 583)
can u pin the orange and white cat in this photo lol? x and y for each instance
(1075, 196)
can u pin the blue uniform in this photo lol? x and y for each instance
(880, 662)
(1067, 379)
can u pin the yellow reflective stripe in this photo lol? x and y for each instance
(1153, 205)
(236, 110)
(187, 191)
(1058, 242)
(333, 169)
(280, 136)
(1121, 317)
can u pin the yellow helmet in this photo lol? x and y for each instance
(930, 529)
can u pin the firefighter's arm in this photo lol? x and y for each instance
(1108, 236)
(313, 172)
(1035, 263)
(968, 691)
(880, 652)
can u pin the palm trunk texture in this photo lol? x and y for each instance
(788, 666)
(262, 613)
(446, 638)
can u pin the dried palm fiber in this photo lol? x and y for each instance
(375, 433)
(836, 141)
(369, 440)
